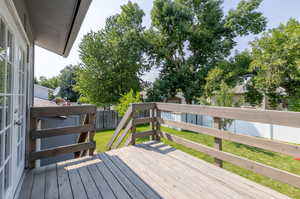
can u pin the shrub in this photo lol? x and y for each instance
(126, 100)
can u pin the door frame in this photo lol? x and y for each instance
(8, 15)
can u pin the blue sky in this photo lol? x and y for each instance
(49, 64)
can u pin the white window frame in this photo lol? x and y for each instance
(17, 124)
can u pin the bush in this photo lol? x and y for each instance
(126, 100)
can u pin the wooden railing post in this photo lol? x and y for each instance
(32, 142)
(152, 124)
(157, 130)
(218, 141)
(91, 134)
(133, 127)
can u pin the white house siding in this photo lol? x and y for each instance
(41, 92)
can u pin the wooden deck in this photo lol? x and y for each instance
(148, 171)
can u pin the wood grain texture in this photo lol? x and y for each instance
(238, 183)
(92, 133)
(123, 135)
(123, 180)
(27, 185)
(121, 125)
(51, 186)
(57, 111)
(100, 182)
(218, 141)
(38, 189)
(128, 141)
(89, 184)
(118, 189)
(133, 128)
(147, 191)
(31, 143)
(256, 167)
(145, 134)
(151, 170)
(280, 147)
(61, 150)
(284, 118)
(82, 137)
(144, 106)
(61, 131)
(143, 120)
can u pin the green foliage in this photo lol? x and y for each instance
(50, 95)
(245, 20)
(253, 96)
(294, 104)
(154, 93)
(113, 58)
(232, 72)
(67, 79)
(125, 101)
(189, 38)
(83, 100)
(52, 82)
(225, 96)
(276, 62)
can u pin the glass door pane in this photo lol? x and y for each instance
(6, 112)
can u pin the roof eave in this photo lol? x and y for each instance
(76, 25)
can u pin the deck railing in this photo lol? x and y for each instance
(291, 119)
(85, 144)
(127, 126)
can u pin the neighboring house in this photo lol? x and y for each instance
(42, 92)
(178, 99)
(241, 89)
(50, 24)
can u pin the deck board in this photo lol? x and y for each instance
(51, 185)
(150, 170)
(101, 183)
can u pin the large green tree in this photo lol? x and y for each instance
(52, 82)
(231, 72)
(113, 58)
(276, 64)
(67, 79)
(190, 37)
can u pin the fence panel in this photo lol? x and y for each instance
(109, 119)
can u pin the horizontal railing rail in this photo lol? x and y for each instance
(251, 165)
(291, 119)
(57, 111)
(263, 143)
(86, 132)
(286, 118)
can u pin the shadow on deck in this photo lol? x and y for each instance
(148, 171)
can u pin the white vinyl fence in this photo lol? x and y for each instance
(275, 132)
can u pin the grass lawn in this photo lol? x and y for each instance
(270, 158)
